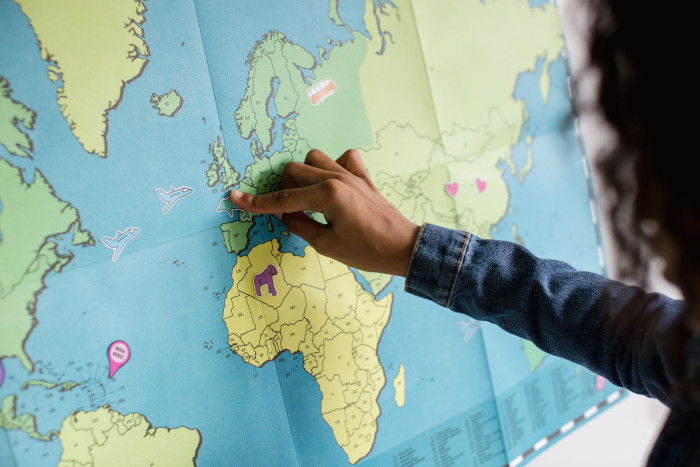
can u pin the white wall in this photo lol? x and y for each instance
(624, 434)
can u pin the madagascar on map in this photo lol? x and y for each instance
(146, 320)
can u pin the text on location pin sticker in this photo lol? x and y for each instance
(118, 354)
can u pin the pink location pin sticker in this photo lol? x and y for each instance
(118, 354)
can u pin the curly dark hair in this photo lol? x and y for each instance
(646, 99)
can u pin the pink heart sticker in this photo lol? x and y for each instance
(480, 185)
(452, 188)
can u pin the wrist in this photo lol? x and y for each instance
(409, 240)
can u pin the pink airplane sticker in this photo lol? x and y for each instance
(118, 354)
(452, 189)
(480, 185)
(599, 382)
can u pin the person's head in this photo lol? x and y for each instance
(641, 52)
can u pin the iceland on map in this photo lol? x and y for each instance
(146, 320)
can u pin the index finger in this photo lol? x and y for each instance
(280, 202)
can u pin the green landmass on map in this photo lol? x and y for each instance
(81, 237)
(12, 115)
(333, 14)
(534, 355)
(27, 254)
(66, 386)
(236, 235)
(221, 170)
(39, 382)
(167, 104)
(25, 422)
(273, 57)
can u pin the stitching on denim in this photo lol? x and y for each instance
(413, 255)
(467, 236)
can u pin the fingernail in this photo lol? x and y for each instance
(235, 194)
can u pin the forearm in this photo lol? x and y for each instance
(626, 335)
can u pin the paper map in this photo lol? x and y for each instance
(145, 320)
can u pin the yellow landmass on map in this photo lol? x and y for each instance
(95, 49)
(319, 309)
(104, 437)
(400, 387)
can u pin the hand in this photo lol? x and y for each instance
(364, 230)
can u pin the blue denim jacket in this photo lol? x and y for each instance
(634, 339)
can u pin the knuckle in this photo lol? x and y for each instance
(354, 155)
(333, 187)
(343, 178)
(313, 154)
(288, 167)
(288, 178)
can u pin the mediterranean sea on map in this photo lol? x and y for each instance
(182, 371)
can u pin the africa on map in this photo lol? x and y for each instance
(146, 320)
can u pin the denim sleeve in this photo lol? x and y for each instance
(634, 339)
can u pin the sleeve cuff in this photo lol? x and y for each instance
(437, 257)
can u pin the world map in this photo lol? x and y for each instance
(122, 127)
